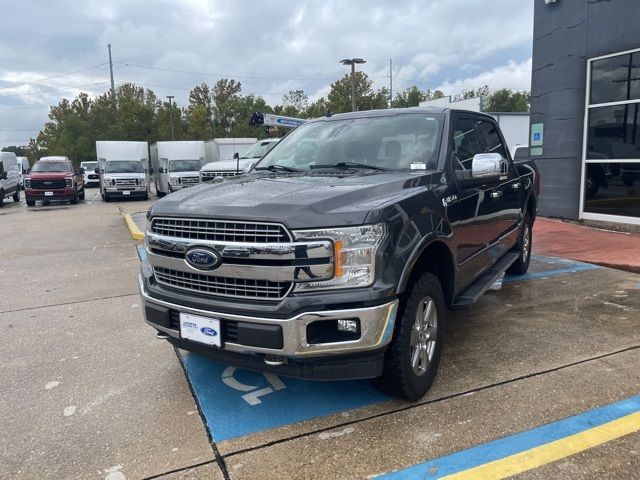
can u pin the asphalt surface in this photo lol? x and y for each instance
(88, 392)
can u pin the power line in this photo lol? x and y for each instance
(25, 108)
(19, 130)
(54, 76)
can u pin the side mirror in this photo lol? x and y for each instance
(81, 171)
(25, 171)
(96, 171)
(487, 166)
(151, 171)
(161, 170)
(3, 176)
(236, 156)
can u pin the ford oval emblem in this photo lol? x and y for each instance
(209, 331)
(203, 258)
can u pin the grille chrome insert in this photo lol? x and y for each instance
(220, 231)
(208, 176)
(222, 286)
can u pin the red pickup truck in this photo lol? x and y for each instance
(54, 178)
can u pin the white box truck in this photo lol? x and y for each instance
(124, 169)
(176, 165)
(225, 148)
(24, 166)
(237, 166)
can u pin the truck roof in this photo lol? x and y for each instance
(234, 140)
(394, 111)
(54, 158)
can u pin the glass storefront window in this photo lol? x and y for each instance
(615, 79)
(614, 132)
(613, 189)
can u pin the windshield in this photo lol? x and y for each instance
(184, 165)
(51, 167)
(123, 166)
(89, 165)
(258, 150)
(395, 142)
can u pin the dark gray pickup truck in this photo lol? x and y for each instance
(338, 255)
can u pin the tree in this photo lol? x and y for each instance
(412, 96)
(317, 109)
(506, 100)
(295, 103)
(225, 97)
(339, 97)
(20, 151)
(199, 113)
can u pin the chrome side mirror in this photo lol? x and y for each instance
(487, 165)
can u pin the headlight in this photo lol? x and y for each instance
(355, 251)
(143, 181)
(27, 183)
(173, 180)
(69, 182)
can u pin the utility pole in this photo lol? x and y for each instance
(390, 84)
(113, 88)
(352, 62)
(171, 97)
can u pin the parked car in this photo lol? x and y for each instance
(9, 177)
(54, 178)
(241, 163)
(90, 177)
(337, 255)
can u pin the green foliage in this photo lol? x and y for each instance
(506, 100)
(221, 110)
(20, 151)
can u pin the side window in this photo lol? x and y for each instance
(465, 143)
(491, 138)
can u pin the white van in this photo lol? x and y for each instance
(241, 164)
(23, 166)
(9, 177)
(91, 178)
(176, 165)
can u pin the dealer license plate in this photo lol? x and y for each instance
(48, 194)
(126, 192)
(200, 329)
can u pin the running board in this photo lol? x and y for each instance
(473, 293)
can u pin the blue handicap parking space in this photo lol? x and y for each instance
(552, 266)
(237, 402)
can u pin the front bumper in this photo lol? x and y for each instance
(56, 194)
(376, 329)
(136, 192)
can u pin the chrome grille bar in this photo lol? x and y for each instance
(216, 230)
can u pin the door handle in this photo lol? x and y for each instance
(516, 186)
(496, 194)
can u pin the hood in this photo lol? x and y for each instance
(50, 175)
(225, 165)
(296, 201)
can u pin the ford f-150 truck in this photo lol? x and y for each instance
(339, 253)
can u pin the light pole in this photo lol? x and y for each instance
(352, 62)
(171, 97)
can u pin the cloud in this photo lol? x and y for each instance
(271, 47)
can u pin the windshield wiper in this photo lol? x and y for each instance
(351, 165)
(281, 168)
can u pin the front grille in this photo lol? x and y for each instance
(48, 183)
(222, 286)
(127, 181)
(220, 231)
(190, 180)
(93, 176)
(208, 176)
(229, 327)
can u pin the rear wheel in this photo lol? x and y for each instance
(1, 198)
(31, 203)
(523, 248)
(412, 358)
(16, 195)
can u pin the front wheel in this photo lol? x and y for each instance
(16, 195)
(82, 194)
(31, 203)
(522, 248)
(412, 358)
(75, 198)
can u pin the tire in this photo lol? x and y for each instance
(75, 198)
(591, 187)
(420, 318)
(523, 248)
(106, 197)
(31, 203)
(83, 194)
(16, 195)
(1, 198)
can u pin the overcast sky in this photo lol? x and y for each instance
(271, 47)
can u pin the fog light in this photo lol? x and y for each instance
(349, 326)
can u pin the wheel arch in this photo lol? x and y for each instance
(435, 257)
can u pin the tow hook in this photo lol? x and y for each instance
(275, 360)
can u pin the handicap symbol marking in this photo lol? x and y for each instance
(236, 402)
(253, 397)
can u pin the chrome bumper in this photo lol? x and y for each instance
(376, 326)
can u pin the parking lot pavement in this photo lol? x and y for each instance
(83, 379)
